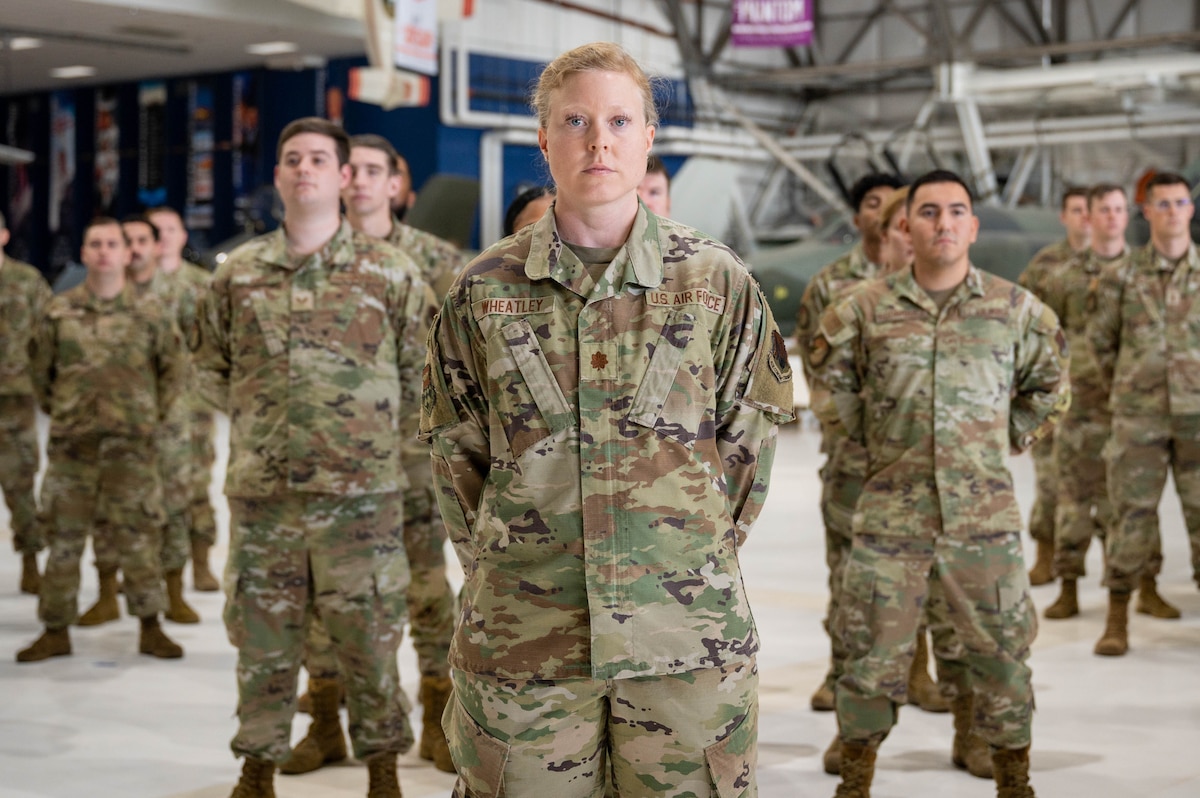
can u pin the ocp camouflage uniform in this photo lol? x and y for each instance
(938, 398)
(430, 598)
(23, 297)
(107, 372)
(845, 461)
(1146, 340)
(319, 358)
(1083, 509)
(1036, 277)
(202, 423)
(602, 439)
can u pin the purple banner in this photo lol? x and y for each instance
(772, 23)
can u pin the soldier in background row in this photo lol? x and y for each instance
(202, 523)
(312, 335)
(841, 477)
(939, 371)
(601, 393)
(23, 296)
(1048, 261)
(107, 369)
(655, 188)
(1144, 335)
(376, 180)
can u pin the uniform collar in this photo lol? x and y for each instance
(338, 249)
(907, 286)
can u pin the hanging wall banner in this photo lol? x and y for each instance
(772, 23)
(108, 157)
(198, 210)
(18, 132)
(62, 181)
(152, 143)
(245, 142)
(414, 46)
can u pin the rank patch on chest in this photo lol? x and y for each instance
(599, 360)
(692, 296)
(511, 306)
(303, 300)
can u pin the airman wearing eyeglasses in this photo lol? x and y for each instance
(1145, 332)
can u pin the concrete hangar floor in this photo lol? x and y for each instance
(108, 722)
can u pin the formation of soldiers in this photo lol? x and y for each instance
(584, 376)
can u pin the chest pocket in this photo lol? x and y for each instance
(350, 316)
(531, 404)
(675, 397)
(260, 318)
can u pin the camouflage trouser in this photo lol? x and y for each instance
(841, 484)
(689, 734)
(114, 478)
(174, 466)
(984, 589)
(204, 454)
(18, 468)
(1041, 517)
(1083, 509)
(343, 558)
(1139, 453)
(431, 604)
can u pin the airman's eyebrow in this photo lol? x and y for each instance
(933, 206)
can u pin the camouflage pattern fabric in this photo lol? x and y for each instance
(1042, 270)
(341, 558)
(1083, 509)
(202, 424)
(1147, 349)
(107, 372)
(438, 259)
(938, 397)
(580, 737)
(23, 297)
(634, 409)
(318, 361)
(114, 478)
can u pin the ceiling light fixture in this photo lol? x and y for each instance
(271, 48)
(24, 43)
(78, 71)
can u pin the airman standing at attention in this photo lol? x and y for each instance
(1083, 509)
(23, 296)
(1047, 262)
(939, 370)
(375, 180)
(841, 476)
(107, 369)
(601, 394)
(1144, 333)
(202, 523)
(313, 335)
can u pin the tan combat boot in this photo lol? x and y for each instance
(922, 690)
(381, 776)
(154, 641)
(178, 609)
(1042, 572)
(1115, 640)
(257, 781)
(822, 700)
(969, 752)
(1149, 602)
(52, 643)
(832, 759)
(202, 578)
(105, 609)
(1067, 604)
(31, 580)
(435, 692)
(858, 769)
(304, 702)
(325, 742)
(1012, 773)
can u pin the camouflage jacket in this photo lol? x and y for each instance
(827, 287)
(601, 448)
(438, 259)
(1145, 334)
(940, 398)
(1045, 263)
(111, 367)
(320, 359)
(23, 297)
(1066, 293)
